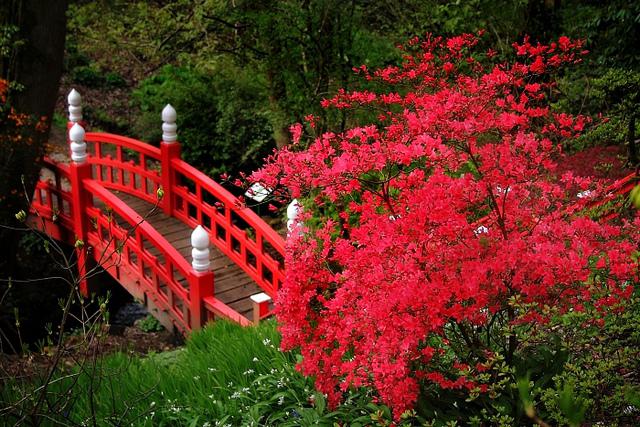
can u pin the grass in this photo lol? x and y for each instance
(225, 376)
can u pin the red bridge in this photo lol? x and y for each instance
(143, 214)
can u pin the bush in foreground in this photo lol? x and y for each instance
(434, 240)
(226, 375)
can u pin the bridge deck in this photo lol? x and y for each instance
(231, 284)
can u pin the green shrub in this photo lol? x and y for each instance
(149, 324)
(615, 94)
(94, 77)
(219, 122)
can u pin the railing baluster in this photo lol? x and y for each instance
(260, 254)
(199, 203)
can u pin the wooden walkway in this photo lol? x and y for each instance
(231, 284)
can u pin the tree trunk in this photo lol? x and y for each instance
(35, 64)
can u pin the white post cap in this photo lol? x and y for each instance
(75, 106)
(260, 298)
(169, 127)
(200, 252)
(78, 146)
(293, 210)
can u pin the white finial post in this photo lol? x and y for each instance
(78, 146)
(75, 106)
(293, 210)
(200, 252)
(169, 127)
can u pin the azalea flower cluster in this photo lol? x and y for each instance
(444, 217)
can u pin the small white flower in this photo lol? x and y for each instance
(266, 341)
(500, 190)
(211, 396)
(248, 372)
(213, 370)
(255, 359)
(584, 194)
(280, 400)
(153, 404)
(481, 230)
(206, 424)
(197, 377)
(246, 390)
(236, 395)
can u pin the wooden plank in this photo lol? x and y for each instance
(241, 306)
(232, 285)
(238, 291)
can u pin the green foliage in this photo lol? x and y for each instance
(92, 76)
(226, 375)
(149, 324)
(583, 366)
(9, 40)
(219, 126)
(614, 93)
(611, 28)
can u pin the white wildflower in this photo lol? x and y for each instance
(481, 230)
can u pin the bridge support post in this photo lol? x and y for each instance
(260, 303)
(169, 150)
(79, 170)
(201, 281)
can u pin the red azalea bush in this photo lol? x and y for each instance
(428, 234)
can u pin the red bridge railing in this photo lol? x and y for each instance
(74, 202)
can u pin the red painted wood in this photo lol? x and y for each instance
(117, 248)
(121, 174)
(265, 264)
(80, 202)
(201, 287)
(215, 307)
(168, 152)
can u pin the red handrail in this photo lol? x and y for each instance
(123, 141)
(114, 171)
(52, 205)
(248, 249)
(111, 241)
